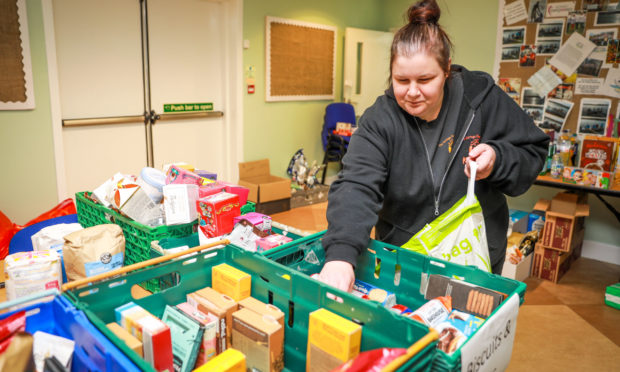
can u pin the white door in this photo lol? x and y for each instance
(366, 66)
(187, 66)
(99, 49)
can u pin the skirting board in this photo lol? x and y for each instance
(601, 251)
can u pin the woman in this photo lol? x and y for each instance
(408, 161)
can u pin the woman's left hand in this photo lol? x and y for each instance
(484, 155)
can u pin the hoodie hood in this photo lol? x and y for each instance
(477, 85)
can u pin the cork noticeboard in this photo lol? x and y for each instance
(300, 60)
(16, 87)
(526, 46)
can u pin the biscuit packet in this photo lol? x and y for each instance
(456, 329)
(434, 311)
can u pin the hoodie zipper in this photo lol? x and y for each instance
(428, 161)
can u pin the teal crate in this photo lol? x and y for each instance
(295, 294)
(399, 271)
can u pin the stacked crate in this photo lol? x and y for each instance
(561, 239)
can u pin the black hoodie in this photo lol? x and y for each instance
(386, 177)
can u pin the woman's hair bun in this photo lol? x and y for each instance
(425, 11)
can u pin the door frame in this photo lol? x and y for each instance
(233, 96)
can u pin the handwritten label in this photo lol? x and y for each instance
(489, 349)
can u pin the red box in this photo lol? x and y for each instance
(216, 213)
(554, 264)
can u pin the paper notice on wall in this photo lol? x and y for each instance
(490, 348)
(611, 87)
(559, 9)
(572, 53)
(544, 81)
(515, 12)
(587, 86)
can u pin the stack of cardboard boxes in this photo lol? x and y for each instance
(562, 236)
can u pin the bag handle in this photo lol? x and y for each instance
(140, 265)
(473, 168)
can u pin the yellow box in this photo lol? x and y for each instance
(231, 282)
(332, 340)
(132, 342)
(230, 360)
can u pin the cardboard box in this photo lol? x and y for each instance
(230, 360)
(154, 334)
(180, 203)
(209, 324)
(260, 338)
(519, 220)
(538, 254)
(262, 308)
(332, 341)
(520, 271)
(231, 281)
(264, 187)
(132, 342)
(554, 264)
(209, 300)
(564, 218)
(216, 213)
(186, 338)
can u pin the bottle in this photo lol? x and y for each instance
(547, 165)
(538, 225)
(556, 166)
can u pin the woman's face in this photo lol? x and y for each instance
(418, 85)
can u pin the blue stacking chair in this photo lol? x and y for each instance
(335, 146)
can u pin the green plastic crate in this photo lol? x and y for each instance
(138, 237)
(399, 271)
(248, 207)
(297, 297)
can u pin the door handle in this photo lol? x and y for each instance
(103, 121)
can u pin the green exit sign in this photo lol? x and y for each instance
(188, 107)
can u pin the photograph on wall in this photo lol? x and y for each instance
(536, 11)
(551, 122)
(607, 18)
(613, 52)
(576, 22)
(548, 47)
(511, 53)
(533, 104)
(590, 66)
(512, 87)
(527, 55)
(593, 114)
(563, 91)
(594, 5)
(601, 37)
(513, 35)
(550, 29)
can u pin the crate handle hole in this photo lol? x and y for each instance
(88, 292)
(265, 279)
(437, 263)
(118, 283)
(397, 269)
(34, 311)
(98, 348)
(161, 283)
(85, 351)
(291, 314)
(377, 267)
(357, 321)
(270, 297)
(189, 262)
(389, 249)
(209, 255)
(332, 296)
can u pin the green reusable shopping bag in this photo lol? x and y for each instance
(458, 235)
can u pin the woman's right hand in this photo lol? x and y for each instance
(338, 274)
